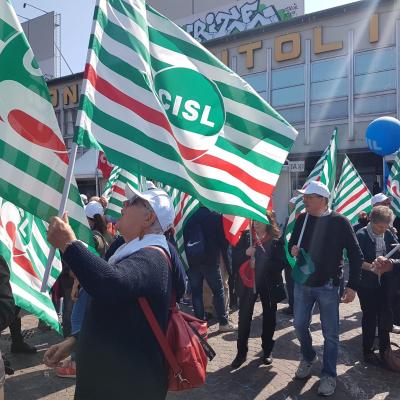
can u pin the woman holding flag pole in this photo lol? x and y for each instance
(261, 276)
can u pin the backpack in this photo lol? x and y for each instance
(195, 246)
(184, 345)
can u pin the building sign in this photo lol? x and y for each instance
(296, 166)
(240, 16)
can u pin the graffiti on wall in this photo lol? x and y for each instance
(238, 18)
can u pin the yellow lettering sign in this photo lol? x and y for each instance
(374, 29)
(295, 50)
(249, 50)
(54, 97)
(70, 94)
(320, 47)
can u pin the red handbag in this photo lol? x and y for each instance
(184, 345)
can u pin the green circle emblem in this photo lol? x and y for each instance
(191, 101)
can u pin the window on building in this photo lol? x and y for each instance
(288, 86)
(375, 61)
(294, 115)
(326, 70)
(381, 104)
(286, 77)
(329, 110)
(257, 81)
(69, 121)
(329, 78)
(375, 82)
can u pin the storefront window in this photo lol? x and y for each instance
(286, 96)
(286, 77)
(329, 89)
(329, 110)
(294, 115)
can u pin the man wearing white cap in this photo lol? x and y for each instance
(324, 235)
(116, 343)
(380, 199)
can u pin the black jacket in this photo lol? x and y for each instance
(270, 261)
(215, 242)
(324, 240)
(368, 278)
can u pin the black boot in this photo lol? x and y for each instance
(266, 358)
(239, 360)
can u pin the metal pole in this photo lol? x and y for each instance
(64, 198)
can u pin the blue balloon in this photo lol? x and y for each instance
(383, 136)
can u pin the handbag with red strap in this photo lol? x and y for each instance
(184, 345)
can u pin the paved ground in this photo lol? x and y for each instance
(32, 380)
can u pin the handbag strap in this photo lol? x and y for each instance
(158, 333)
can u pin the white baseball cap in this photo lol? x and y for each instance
(316, 187)
(378, 198)
(93, 208)
(159, 201)
(84, 198)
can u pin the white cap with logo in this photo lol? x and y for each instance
(93, 208)
(378, 198)
(159, 201)
(316, 187)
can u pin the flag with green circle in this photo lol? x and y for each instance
(160, 104)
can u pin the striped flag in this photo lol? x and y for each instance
(114, 190)
(393, 185)
(33, 157)
(351, 194)
(157, 102)
(324, 171)
(24, 247)
(234, 227)
(184, 206)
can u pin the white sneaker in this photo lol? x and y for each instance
(327, 385)
(229, 327)
(396, 329)
(304, 369)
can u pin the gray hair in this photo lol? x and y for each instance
(381, 215)
(156, 228)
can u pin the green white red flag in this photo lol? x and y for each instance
(114, 190)
(184, 206)
(24, 248)
(159, 103)
(324, 171)
(393, 185)
(33, 156)
(351, 195)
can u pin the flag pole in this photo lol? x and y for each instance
(63, 204)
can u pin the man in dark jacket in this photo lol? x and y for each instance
(204, 243)
(325, 234)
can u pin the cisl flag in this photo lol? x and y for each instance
(33, 156)
(158, 103)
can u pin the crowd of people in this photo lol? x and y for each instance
(102, 319)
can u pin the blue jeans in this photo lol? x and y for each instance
(78, 311)
(212, 275)
(327, 297)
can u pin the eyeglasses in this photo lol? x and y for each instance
(138, 200)
(312, 196)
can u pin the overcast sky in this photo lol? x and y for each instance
(76, 17)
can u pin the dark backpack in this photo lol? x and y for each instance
(195, 246)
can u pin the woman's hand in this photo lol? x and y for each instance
(60, 233)
(294, 251)
(250, 251)
(58, 352)
(75, 291)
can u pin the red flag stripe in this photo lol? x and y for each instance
(351, 199)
